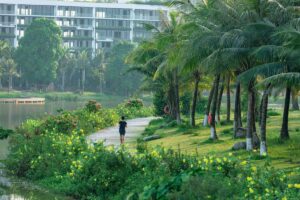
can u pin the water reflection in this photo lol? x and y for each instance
(12, 115)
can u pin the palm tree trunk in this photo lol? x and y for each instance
(250, 115)
(237, 123)
(63, 77)
(284, 133)
(228, 100)
(195, 97)
(213, 132)
(210, 97)
(1, 83)
(177, 101)
(295, 104)
(83, 80)
(10, 82)
(263, 121)
(220, 101)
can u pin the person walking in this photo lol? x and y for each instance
(122, 129)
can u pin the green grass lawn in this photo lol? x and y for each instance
(196, 141)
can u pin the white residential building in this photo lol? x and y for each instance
(84, 25)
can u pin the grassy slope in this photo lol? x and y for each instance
(188, 140)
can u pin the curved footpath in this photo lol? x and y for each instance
(110, 136)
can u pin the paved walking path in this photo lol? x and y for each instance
(110, 136)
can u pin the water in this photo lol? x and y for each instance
(12, 115)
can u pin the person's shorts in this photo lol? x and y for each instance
(122, 132)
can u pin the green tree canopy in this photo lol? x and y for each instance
(39, 51)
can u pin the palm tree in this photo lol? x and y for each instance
(66, 62)
(82, 64)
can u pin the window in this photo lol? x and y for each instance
(117, 34)
(120, 23)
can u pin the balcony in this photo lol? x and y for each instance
(7, 12)
(78, 37)
(149, 18)
(7, 35)
(112, 28)
(113, 17)
(7, 24)
(84, 27)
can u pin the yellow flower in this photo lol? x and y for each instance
(254, 168)
(267, 190)
(290, 185)
(244, 162)
(249, 179)
(251, 190)
(297, 186)
(230, 154)
(284, 198)
(225, 159)
(219, 160)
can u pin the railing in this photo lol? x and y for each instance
(78, 37)
(7, 35)
(146, 18)
(74, 15)
(6, 12)
(7, 24)
(113, 28)
(114, 17)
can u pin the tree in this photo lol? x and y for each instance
(66, 62)
(82, 63)
(39, 52)
(4, 52)
(117, 79)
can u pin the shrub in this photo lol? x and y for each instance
(65, 123)
(159, 102)
(133, 112)
(134, 103)
(4, 133)
(93, 106)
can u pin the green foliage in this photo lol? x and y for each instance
(133, 108)
(134, 103)
(201, 105)
(118, 81)
(273, 113)
(185, 103)
(4, 133)
(159, 102)
(93, 106)
(39, 51)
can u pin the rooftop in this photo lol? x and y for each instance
(84, 4)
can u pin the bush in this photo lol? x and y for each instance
(93, 106)
(4, 133)
(159, 102)
(134, 103)
(130, 112)
(272, 113)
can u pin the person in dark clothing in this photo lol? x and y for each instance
(122, 129)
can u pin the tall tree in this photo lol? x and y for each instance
(39, 52)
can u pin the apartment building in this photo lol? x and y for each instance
(84, 25)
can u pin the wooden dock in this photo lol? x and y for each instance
(23, 100)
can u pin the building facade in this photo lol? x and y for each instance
(84, 25)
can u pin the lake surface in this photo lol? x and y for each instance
(12, 115)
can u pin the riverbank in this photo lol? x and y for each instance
(53, 144)
(70, 96)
